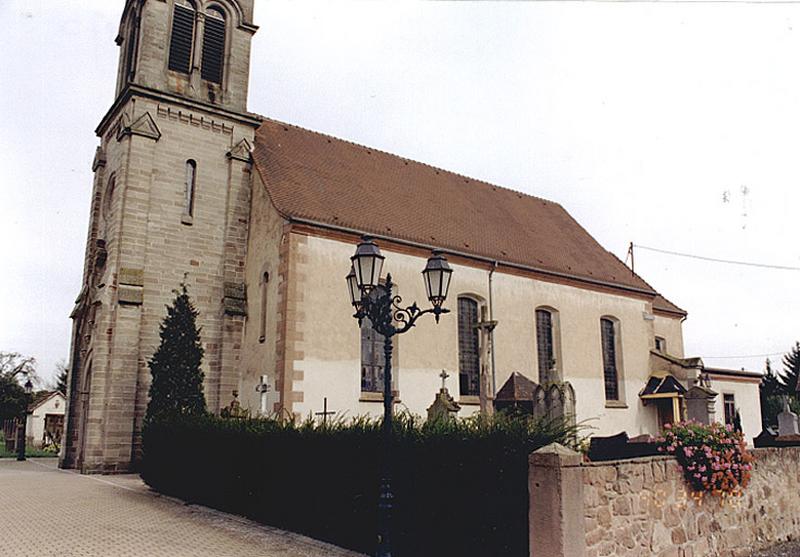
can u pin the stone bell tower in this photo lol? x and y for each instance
(170, 203)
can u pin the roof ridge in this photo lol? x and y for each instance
(421, 163)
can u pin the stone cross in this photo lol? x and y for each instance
(444, 375)
(263, 387)
(787, 420)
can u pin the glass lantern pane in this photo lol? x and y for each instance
(435, 278)
(445, 284)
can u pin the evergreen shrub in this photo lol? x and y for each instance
(461, 488)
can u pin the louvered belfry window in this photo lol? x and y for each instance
(213, 46)
(610, 376)
(544, 345)
(180, 45)
(468, 356)
(132, 47)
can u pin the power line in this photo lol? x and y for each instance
(746, 356)
(717, 260)
(676, 1)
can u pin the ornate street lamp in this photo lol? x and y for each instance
(375, 301)
(22, 433)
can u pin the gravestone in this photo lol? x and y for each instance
(234, 409)
(700, 404)
(443, 407)
(787, 421)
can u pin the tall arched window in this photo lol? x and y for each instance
(108, 197)
(547, 345)
(469, 367)
(182, 38)
(609, 331)
(262, 336)
(373, 360)
(189, 187)
(105, 208)
(214, 45)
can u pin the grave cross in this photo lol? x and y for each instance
(263, 387)
(325, 412)
(486, 393)
(444, 375)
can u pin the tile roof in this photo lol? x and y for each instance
(314, 177)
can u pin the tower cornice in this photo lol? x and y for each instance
(133, 90)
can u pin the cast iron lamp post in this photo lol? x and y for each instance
(22, 433)
(375, 301)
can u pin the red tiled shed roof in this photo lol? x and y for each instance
(314, 177)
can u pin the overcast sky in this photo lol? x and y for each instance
(672, 125)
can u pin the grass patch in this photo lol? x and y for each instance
(30, 452)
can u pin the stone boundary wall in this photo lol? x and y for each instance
(642, 507)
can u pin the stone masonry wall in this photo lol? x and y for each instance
(642, 507)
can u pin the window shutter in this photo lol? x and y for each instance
(213, 50)
(180, 46)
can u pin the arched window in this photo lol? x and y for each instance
(106, 203)
(373, 360)
(182, 38)
(262, 335)
(108, 197)
(469, 368)
(547, 345)
(189, 187)
(609, 331)
(214, 45)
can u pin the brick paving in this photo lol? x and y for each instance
(47, 512)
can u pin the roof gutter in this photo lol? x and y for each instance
(487, 260)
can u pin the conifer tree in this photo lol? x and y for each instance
(770, 393)
(177, 385)
(791, 370)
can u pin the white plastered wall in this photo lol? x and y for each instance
(35, 425)
(330, 363)
(745, 395)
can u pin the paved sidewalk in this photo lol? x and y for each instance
(46, 512)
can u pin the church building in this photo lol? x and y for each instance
(260, 218)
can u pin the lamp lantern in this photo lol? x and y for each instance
(367, 265)
(353, 288)
(437, 278)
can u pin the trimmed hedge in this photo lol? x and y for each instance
(460, 488)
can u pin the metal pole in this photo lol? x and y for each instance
(21, 437)
(386, 496)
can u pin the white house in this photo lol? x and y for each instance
(46, 419)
